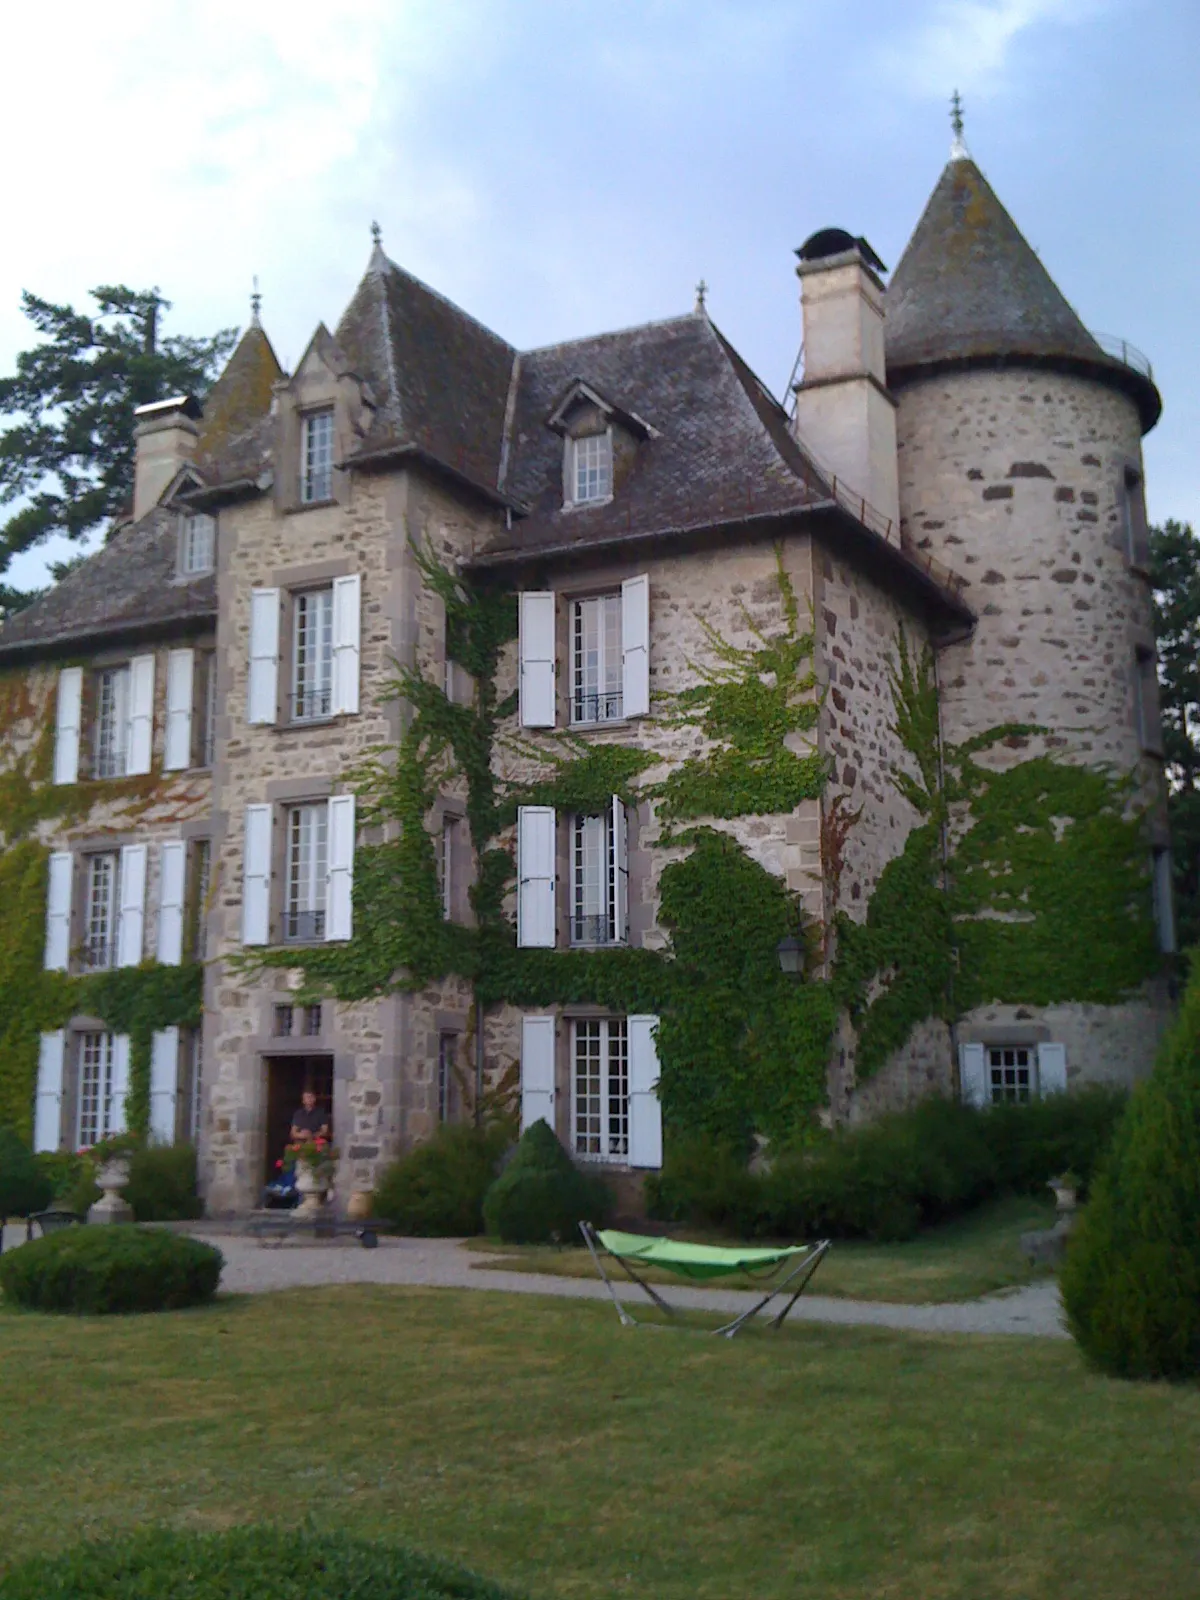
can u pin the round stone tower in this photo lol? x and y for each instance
(1019, 442)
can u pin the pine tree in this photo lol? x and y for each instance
(1131, 1280)
(1175, 573)
(67, 452)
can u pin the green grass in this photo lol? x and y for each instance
(543, 1445)
(976, 1254)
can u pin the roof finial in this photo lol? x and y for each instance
(376, 233)
(958, 149)
(255, 304)
(701, 293)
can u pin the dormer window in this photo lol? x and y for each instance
(316, 457)
(590, 475)
(197, 543)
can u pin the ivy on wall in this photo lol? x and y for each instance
(136, 1001)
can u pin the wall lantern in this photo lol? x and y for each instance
(790, 952)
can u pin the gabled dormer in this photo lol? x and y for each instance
(196, 530)
(600, 444)
(324, 409)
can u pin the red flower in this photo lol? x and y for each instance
(279, 1163)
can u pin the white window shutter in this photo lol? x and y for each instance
(141, 715)
(537, 659)
(619, 844)
(256, 876)
(645, 1113)
(537, 1071)
(1052, 1069)
(635, 646)
(47, 1107)
(339, 892)
(58, 911)
(262, 695)
(347, 625)
(117, 1116)
(972, 1069)
(67, 719)
(172, 860)
(164, 1084)
(535, 877)
(132, 916)
(177, 745)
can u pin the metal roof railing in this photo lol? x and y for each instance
(1127, 354)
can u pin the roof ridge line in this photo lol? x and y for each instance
(615, 333)
(446, 301)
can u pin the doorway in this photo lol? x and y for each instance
(287, 1079)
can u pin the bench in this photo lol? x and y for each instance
(52, 1221)
(276, 1226)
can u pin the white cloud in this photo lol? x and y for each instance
(968, 44)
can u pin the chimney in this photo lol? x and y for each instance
(165, 437)
(845, 416)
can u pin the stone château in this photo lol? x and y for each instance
(660, 685)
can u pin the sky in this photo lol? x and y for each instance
(559, 168)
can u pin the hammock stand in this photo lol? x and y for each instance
(701, 1263)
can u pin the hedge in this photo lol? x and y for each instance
(110, 1268)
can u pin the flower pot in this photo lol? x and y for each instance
(312, 1183)
(112, 1205)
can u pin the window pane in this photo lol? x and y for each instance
(316, 481)
(312, 655)
(100, 919)
(1010, 1074)
(95, 1087)
(596, 659)
(112, 722)
(197, 544)
(308, 834)
(601, 1085)
(593, 468)
(591, 920)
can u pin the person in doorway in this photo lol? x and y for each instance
(309, 1122)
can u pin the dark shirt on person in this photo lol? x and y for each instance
(311, 1122)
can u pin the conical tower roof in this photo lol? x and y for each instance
(241, 396)
(970, 291)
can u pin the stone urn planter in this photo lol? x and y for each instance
(112, 1205)
(313, 1185)
(1066, 1199)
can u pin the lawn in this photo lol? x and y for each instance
(976, 1254)
(542, 1444)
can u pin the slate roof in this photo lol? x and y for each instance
(234, 441)
(719, 449)
(439, 379)
(969, 288)
(129, 588)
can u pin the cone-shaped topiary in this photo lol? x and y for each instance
(23, 1186)
(541, 1196)
(1131, 1280)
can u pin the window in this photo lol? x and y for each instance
(599, 870)
(446, 864)
(112, 722)
(1132, 500)
(591, 469)
(447, 1087)
(197, 543)
(1011, 1073)
(1146, 702)
(307, 872)
(316, 463)
(312, 655)
(312, 1022)
(596, 676)
(600, 1053)
(201, 883)
(98, 1115)
(206, 708)
(100, 913)
(196, 1104)
(283, 1021)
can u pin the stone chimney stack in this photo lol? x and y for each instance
(165, 438)
(845, 416)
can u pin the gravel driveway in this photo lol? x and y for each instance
(255, 1268)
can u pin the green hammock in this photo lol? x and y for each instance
(703, 1262)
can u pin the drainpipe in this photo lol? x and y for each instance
(944, 843)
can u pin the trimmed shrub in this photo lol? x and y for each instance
(112, 1268)
(23, 1186)
(888, 1178)
(438, 1188)
(252, 1563)
(162, 1183)
(541, 1196)
(1131, 1280)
